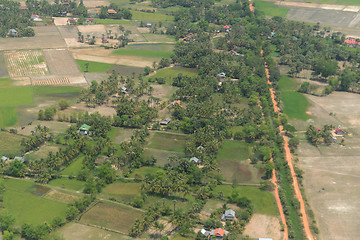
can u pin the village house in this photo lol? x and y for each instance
(178, 102)
(227, 28)
(35, 17)
(24, 8)
(20, 159)
(84, 129)
(66, 3)
(149, 25)
(339, 131)
(188, 37)
(233, 52)
(111, 11)
(12, 33)
(265, 238)
(200, 149)
(90, 20)
(4, 159)
(221, 75)
(218, 233)
(205, 233)
(71, 21)
(124, 90)
(195, 160)
(228, 215)
(165, 122)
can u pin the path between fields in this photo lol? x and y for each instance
(273, 179)
(289, 161)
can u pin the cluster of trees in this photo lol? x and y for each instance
(183, 3)
(37, 138)
(12, 17)
(48, 114)
(120, 12)
(58, 9)
(316, 136)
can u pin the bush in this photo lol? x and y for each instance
(63, 104)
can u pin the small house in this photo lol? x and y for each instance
(124, 90)
(228, 215)
(232, 52)
(205, 233)
(339, 131)
(84, 129)
(90, 20)
(66, 3)
(176, 102)
(200, 149)
(105, 40)
(188, 37)
(34, 17)
(218, 233)
(195, 160)
(165, 122)
(12, 33)
(149, 25)
(265, 238)
(71, 21)
(3, 159)
(20, 159)
(111, 11)
(226, 27)
(24, 8)
(221, 75)
(318, 129)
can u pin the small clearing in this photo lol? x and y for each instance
(262, 225)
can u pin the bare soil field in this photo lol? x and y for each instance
(61, 196)
(77, 231)
(263, 226)
(104, 55)
(332, 173)
(61, 62)
(92, 30)
(45, 37)
(55, 127)
(94, 3)
(68, 31)
(3, 71)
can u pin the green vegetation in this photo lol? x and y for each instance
(118, 135)
(295, 103)
(342, 2)
(10, 143)
(93, 66)
(111, 215)
(123, 191)
(21, 202)
(143, 171)
(270, 9)
(113, 21)
(15, 96)
(74, 167)
(152, 17)
(152, 46)
(170, 73)
(263, 201)
(68, 183)
(168, 142)
(48, 90)
(142, 53)
(8, 116)
(234, 150)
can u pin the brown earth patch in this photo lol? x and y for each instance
(263, 226)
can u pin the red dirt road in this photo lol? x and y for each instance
(289, 161)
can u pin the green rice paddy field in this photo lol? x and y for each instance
(93, 66)
(295, 103)
(270, 9)
(23, 201)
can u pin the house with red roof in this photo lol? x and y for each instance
(188, 37)
(71, 21)
(351, 41)
(24, 8)
(66, 3)
(90, 20)
(339, 131)
(111, 11)
(34, 17)
(218, 233)
(178, 102)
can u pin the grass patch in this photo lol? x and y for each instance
(27, 207)
(155, 47)
(8, 116)
(93, 66)
(112, 21)
(74, 168)
(43, 152)
(342, 2)
(68, 183)
(119, 135)
(168, 142)
(295, 103)
(142, 53)
(5, 82)
(15, 96)
(270, 9)
(263, 201)
(170, 73)
(111, 215)
(123, 191)
(152, 17)
(143, 171)
(234, 150)
(161, 156)
(49, 90)
(10, 143)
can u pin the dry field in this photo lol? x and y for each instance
(45, 37)
(61, 62)
(262, 225)
(26, 63)
(332, 173)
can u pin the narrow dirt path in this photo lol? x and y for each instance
(289, 161)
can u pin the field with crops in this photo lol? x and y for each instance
(26, 63)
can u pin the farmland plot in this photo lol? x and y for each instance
(26, 63)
